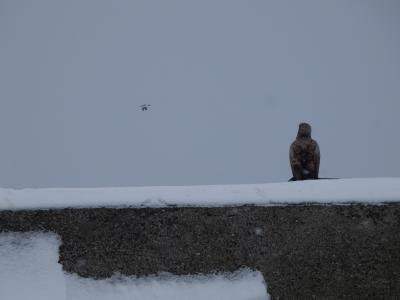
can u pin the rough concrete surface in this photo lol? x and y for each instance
(304, 252)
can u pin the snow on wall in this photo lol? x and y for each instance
(29, 271)
(303, 251)
(365, 190)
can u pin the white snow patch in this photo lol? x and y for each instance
(244, 285)
(29, 268)
(364, 190)
(29, 271)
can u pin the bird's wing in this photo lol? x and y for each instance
(317, 156)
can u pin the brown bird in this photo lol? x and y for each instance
(304, 155)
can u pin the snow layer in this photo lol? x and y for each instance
(365, 190)
(243, 285)
(29, 268)
(29, 271)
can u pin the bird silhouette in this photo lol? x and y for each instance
(145, 107)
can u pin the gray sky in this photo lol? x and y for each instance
(228, 81)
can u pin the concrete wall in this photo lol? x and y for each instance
(304, 252)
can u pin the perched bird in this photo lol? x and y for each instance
(145, 107)
(304, 155)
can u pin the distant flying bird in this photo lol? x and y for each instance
(145, 107)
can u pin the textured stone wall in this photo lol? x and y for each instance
(304, 252)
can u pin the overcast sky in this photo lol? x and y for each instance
(228, 82)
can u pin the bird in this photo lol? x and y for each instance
(304, 155)
(145, 107)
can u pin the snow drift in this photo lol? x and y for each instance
(366, 190)
(29, 271)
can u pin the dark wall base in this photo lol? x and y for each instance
(304, 252)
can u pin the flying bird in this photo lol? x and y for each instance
(145, 107)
